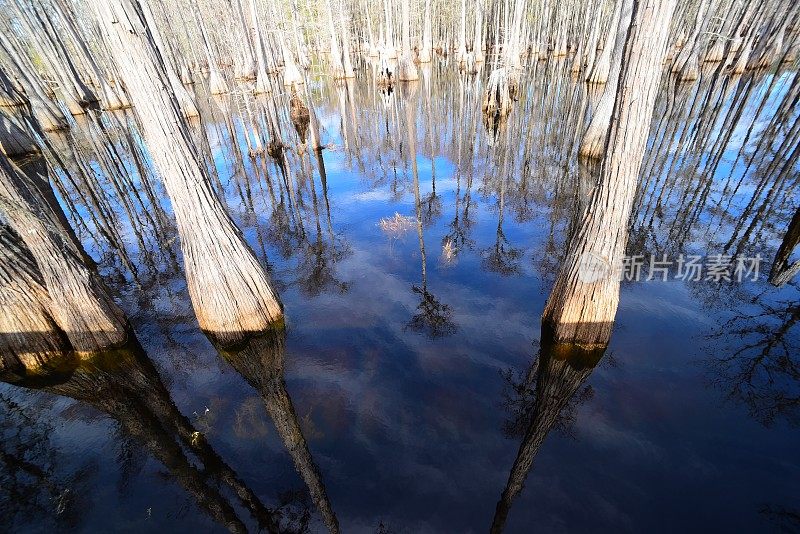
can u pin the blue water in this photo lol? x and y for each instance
(407, 414)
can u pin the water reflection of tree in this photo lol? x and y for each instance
(432, 317)
(502, 258)
(317, 273)
(690, 190)
(559, 372)
(520, 402)
(33, 485)
(784, 518)
(124, 384)
(260, 361)
(458, 237)
(432, 203)
(756, 358)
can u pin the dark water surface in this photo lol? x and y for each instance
(414, 258)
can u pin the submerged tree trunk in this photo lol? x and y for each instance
(230, 291)
(583, 303)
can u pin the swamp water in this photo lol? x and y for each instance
(414, 255)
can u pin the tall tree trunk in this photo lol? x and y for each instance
(583, 303)
(347, 63)
(230, 291)
(782, 271)
(477, 40)
(602, 67)
(426, 48)
(14, 141)
(29, 337)
(408, 71)
(337, 68)
(687, 64)
(81, 306)
(48, 114)
(594, 141)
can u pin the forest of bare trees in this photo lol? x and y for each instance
(61, 59)
(146, 141)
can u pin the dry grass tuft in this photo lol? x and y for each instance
(397, 226)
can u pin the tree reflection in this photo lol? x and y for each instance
(260, 361)
(317, 272)
(124, 384)
(784, 518)
(502, 258)
(757, 362)
(559, 371)
(432, 317)
(32, 477)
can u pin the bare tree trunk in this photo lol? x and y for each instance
(11, 93)
(461, 53)
(687, 64)
(14, 141)
(185, 100)
(262, 78)
(29, 337)
(594, 141)
(602, 67)
(583, 303)
(49, 115)
(782, 271)
(81, 307)
(408, 71)
(426, 49)
(337, 68)
(230, 291)
(477, 41)
(216, 83)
